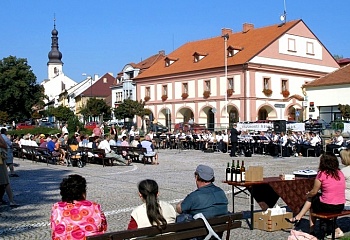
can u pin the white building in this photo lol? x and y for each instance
(57, 82)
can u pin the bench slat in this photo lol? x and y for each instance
(330, 215)
(180, 230)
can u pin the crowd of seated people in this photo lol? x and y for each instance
(283, 144)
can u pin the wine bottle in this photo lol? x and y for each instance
(228, 172)
(238, 172)
(233, 171)
(242, 172)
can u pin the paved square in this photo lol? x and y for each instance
(115, 188)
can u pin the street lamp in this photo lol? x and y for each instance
(226, 37)
(89, 77)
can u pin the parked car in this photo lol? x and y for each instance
(185, 127)
(46, 125)
(26, 125)
(91, 125)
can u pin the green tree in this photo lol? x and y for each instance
(96, 107)
(345, 111)
(129, 108)
(61, 113)
(4, 117)
(19, 90)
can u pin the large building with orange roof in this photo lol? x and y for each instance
(247, 75)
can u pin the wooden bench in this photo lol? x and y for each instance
(331, 216)
(173, 231)
(38, 154)
(132, 153)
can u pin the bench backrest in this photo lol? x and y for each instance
(184, 230)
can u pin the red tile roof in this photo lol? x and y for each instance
(100, 88)
(252, 42)
(338, 77)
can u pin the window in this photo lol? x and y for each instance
(291, 45)
(148, 92)
(230, 83)
(231, 51)
(165, 90)
(284, 85)
(207, 85)
(198, 56)
(169, 61)
(185, 87)
(310, 48)
(266, 83)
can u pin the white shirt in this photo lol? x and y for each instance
(105, 146)
(64, 130)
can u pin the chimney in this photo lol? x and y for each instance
(247, 27)
(225, 31)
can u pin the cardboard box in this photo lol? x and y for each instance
(254, 173)
(270, 223)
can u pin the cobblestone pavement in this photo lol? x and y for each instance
(115, 188)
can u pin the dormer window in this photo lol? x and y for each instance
(104, 80)
(198, 56)
(231, 51)
(169, 61)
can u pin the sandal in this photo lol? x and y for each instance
(293, 221)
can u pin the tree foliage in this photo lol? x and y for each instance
(345, 111)
(96, 107)
(61, 113)
(130, 108)
(4, 117)
(19, 90)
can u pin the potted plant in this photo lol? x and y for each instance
(267, 91)
(206, 94)
(229, 92)
(164, 97)
(285, 93)
(184, 95)
(147, 98)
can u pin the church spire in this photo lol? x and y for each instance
(54, 55)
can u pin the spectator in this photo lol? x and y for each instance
(86, 217)
(147, 143)
(112, 141)
(345, 159)
(4, 177)
(65, 129)
(132, 133)
(337, 142)
(207, 199)
(152, 212)
(97, 131)
(330, 180)
(51, 146)
(9, 159)
(113, 130)
(104, 144)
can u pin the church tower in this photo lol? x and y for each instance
(54, 65)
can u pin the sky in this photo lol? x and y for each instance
(96, 37)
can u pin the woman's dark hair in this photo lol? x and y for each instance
(329, 164)
(149, 191)
(73, 188)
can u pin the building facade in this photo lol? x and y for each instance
(253, 74)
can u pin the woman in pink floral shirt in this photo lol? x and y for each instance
(75, 217)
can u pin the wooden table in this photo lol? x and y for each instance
(268, 191)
